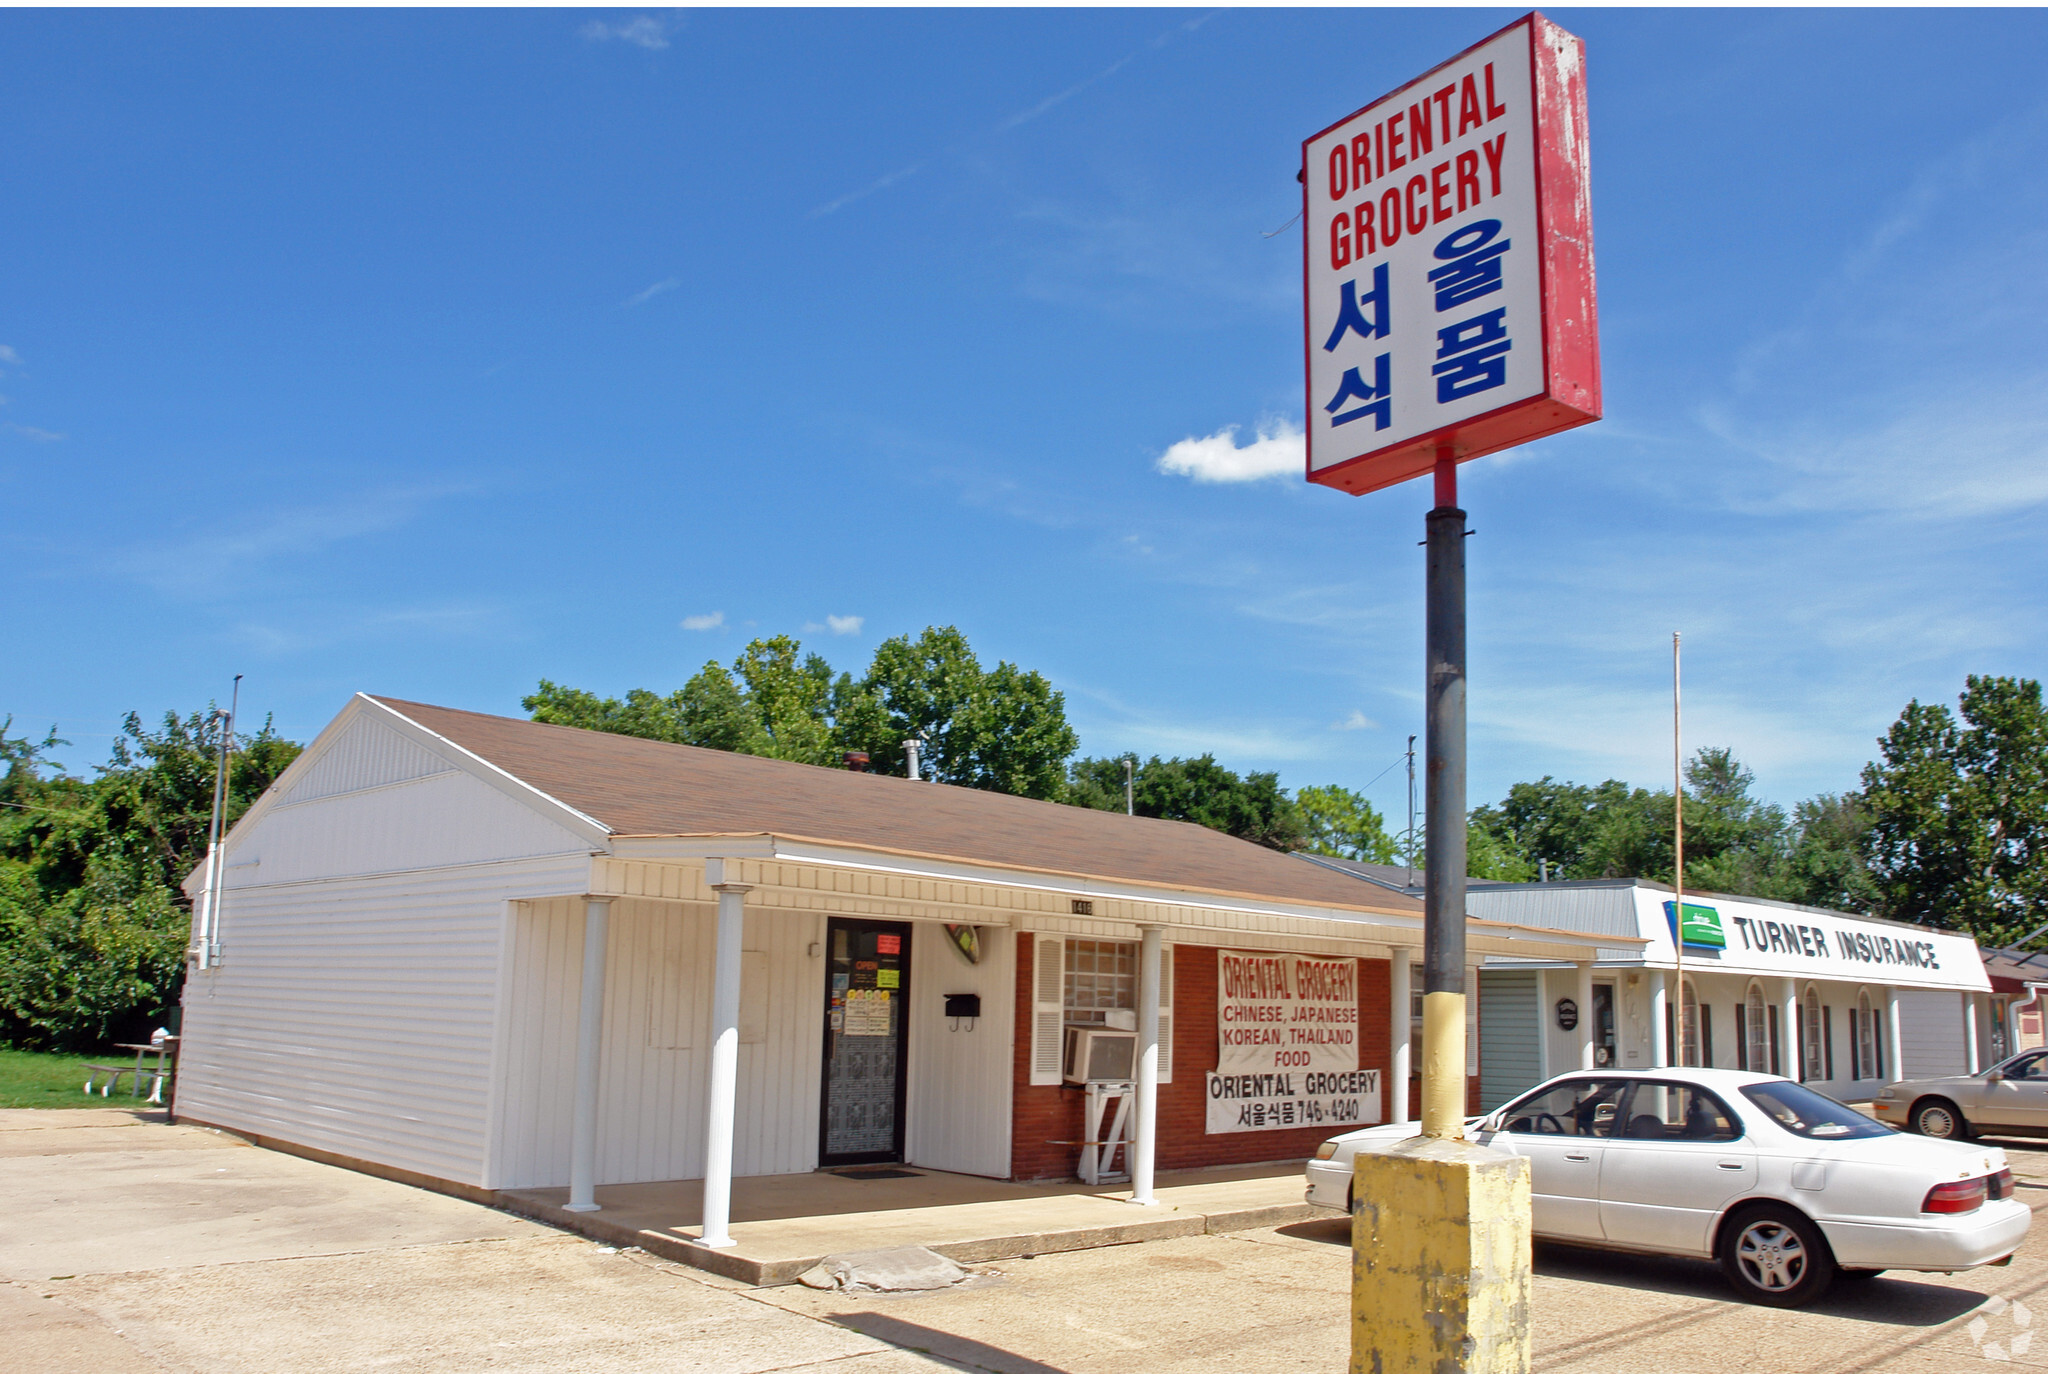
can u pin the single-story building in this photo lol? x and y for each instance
(487, 953)
(1839, 1001)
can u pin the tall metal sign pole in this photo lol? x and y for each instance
(1450, 314)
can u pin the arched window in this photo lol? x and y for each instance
(1866, 1037)
(1813, 1054)
(1689, 1025)
(1756, 1038)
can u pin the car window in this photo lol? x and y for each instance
(2033, 1065)
(1581, 1107)
(1805, 1112)
(1677, 1111)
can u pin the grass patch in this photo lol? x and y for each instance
(32, 1079)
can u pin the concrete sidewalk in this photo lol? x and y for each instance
(784, 1224)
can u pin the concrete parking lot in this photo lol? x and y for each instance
(130, 1245)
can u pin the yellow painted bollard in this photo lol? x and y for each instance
(1439, 1259)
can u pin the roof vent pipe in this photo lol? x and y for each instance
(911, 747)
(855, 761)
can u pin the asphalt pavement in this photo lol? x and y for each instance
(130, 1245)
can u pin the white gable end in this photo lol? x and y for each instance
(370, 800)
(367, 754)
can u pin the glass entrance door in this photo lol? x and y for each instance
(867, 978)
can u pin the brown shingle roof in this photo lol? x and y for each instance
(646, 787)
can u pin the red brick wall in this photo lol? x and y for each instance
(1041, 1115)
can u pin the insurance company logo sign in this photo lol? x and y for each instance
(1701, 926)
(1449, 275)
(1287, 1045)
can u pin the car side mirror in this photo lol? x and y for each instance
(1995, 1076)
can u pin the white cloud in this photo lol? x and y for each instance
(41, 436)
(1278, 451)
(712, 621)
(845, 624)
(1357, 720)
(644, 32)
(8, 355)
(642, 297)
(225, 557)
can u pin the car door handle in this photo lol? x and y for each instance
(1733, 1164)
(1579, 1158)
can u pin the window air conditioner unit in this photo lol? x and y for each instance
(1098, 1055)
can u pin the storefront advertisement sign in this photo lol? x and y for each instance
(1702, 926)
(1287, 1044)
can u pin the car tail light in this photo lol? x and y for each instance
(1967, 1195)
(2001, 1185)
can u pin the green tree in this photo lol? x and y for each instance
(92, 923)
(1253, 807)
(1343, 824)
(1003, 729)
(1958, 810)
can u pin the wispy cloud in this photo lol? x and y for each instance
(1357, 720)
(219, 559)
(313, 628)
(646, 31)
(9, 356)
(41, 436)
(642, 297)
(879, 184)
(712, 621)
(1278, 451)
(845, 624)
(1020, 117)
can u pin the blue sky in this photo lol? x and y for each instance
(433, 353)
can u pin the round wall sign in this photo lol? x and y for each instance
(1567, 1014)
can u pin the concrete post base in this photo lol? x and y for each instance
(1440, 1259)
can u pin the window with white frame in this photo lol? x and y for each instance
(1866, 1038)
(1076, 983)
(1810, 1038)
(1756, 1031)
(1101, 976)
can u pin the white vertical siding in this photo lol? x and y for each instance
(1931, 1027)
(358, 1016)
(959, 1110)
(656, 1032)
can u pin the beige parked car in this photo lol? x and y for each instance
(2009, 1098)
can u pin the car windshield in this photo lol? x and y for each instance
(1805, 1112)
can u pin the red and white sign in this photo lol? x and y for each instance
(1287, 1045)
(1449, 266)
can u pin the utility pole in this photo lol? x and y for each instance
(1408, 837)
(1443, 893)
(209, 920)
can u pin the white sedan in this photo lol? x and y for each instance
(1788, 1189)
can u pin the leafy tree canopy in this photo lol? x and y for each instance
(1343, 824)
(1957, 807)
(1253, 807)
(92, 924)
(1001, 729)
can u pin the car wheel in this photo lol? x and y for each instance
(1774, 1255)
(1938, 1118)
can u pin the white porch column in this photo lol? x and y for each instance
(1586, 1027)
(589, 1057)
(1660, 1038)
(1400, 993)
(1145, 1129)
(1894, 1040)
(1972, 1052)
(725, 1056)
(1791, 1045)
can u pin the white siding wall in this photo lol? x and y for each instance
(657, 1028)
(1931, 1025)
(356, 1008)
(357, 1015)
(959, 1109)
